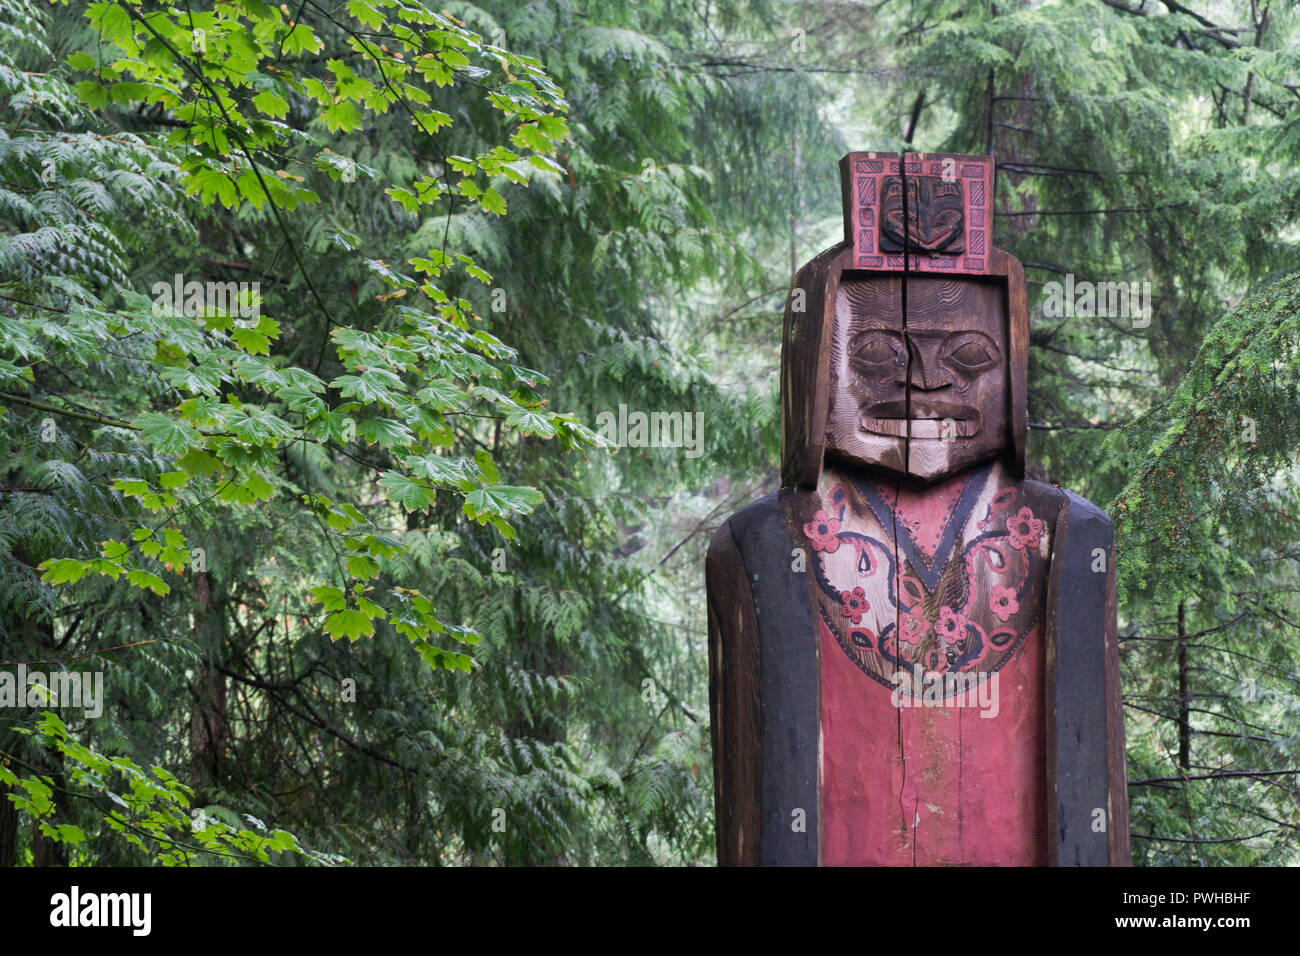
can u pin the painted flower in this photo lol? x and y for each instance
(1004, 499)
(853, 604)
(951, 626)
(1002, 602)
(913, 626)
(822, 531)
(1024, 529)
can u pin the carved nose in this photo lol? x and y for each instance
(927, 371)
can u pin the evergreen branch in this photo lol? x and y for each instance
(79, 657)
(42, 407)
(1219, 775)
(1166, 839)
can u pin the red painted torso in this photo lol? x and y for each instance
(947, 583)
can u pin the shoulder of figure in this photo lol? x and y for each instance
(1085, 524)
(747, 523)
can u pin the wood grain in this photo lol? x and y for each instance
(1085, 719)
(805, 366)
(734, 703)
(766, 693)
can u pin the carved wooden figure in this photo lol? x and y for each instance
(912, 648)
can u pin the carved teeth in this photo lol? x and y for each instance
(937, 428)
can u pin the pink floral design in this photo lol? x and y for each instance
(1024, 530)
(822, 531)
(913, 626)
(951, 626)
(934, 662)
(853, 604)
(863, 637)
(1006, 498)
(1002, 602)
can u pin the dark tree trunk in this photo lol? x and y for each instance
(8, 813)
(209, 729)
(29, 638)
(1184, 702)
(45, 850)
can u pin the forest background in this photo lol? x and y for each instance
(335, 525)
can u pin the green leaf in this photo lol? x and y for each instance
(272, 104)
(440, 395)
(362, 566)
(406, 491)
(301, 39)
(115, 550)
(484, 460)
(200, 462)
(384, 431)
(145, 580)
(493, 202)
(331, 598)
(531, 137)
(63, 571)
(365, 13)
(531, 423)
(501, 500)
(134, 487)
(350, 624)
(251, 340)
(167, 435)
(342, 116)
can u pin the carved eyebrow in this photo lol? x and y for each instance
(983, 337)
(859, 338)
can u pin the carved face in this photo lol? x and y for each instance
(928, 218)
(927, 400)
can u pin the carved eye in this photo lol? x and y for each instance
(877, 349)
(972, 353)
(946, 219)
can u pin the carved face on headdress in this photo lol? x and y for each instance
(926, 395)
(922, 214)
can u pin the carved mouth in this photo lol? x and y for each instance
(936, 422)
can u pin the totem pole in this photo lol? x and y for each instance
(912, 648)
